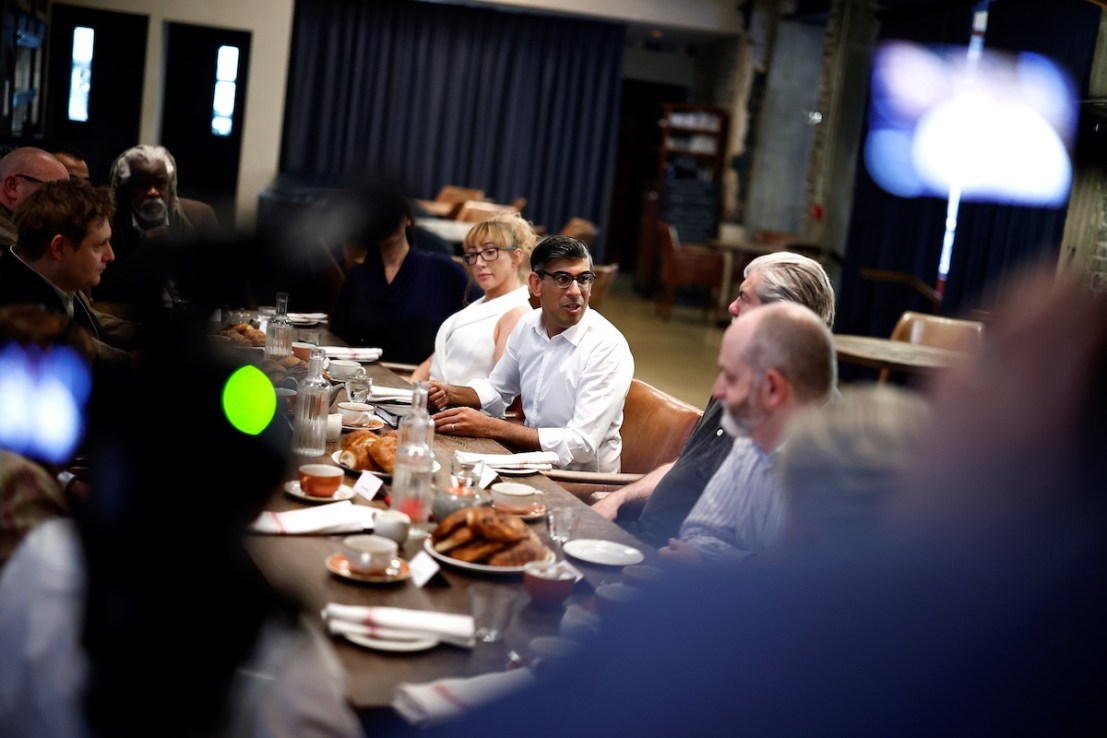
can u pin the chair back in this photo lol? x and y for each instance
(685, 265)
(954, 334)
(478, 211)
(605, 277)
(655, 427)
(583, 230)
(455, 194)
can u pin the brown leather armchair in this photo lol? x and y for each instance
(685, 265)
(655, 427)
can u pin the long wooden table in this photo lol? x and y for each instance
(901, 356)
(295, 564)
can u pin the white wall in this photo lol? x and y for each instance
(270, 23)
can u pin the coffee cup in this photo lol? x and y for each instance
(302, 350)
(343, 369)
(371, 555)
(356, 413)
(320, 480)
(392, 524)
(513, 497)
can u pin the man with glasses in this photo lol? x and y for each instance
(569, 364)
(21, 172)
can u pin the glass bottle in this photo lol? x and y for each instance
(413, 475)
(309, 425)
(278, 333)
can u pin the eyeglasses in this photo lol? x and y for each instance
(489, 254)
(29, 178)
(564, 279)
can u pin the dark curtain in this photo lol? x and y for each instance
(905, 235)
(516, 104)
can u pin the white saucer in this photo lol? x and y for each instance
(381, 644)
(292, 489)
(523, 472)
(374, 423)
(607, 553)
(537, 513)
(338, 565)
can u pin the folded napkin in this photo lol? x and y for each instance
(536, 460)
(337, 517)
(397, 623)
(354, 354)
(307, 317)
(390, 394)
(434, 702)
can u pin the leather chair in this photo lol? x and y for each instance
(581, 229)
(954, 334)
(605, 277)
(478, 211)
(655, 427)
(685, 265)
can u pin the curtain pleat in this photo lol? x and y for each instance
(516, 104)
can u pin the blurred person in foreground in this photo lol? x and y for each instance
(569, 364)
(145, 615)
(774, 362)
(976, 609)
(396, 298)
(44, 384)
(666, 495)
(64, 247)
(471, 341)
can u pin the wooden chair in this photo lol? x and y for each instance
(605, 277)
(655, 427)
(685, 265)
(519, 203)
(581, 229)
(910, 280)
(954, 334)
(478, 211)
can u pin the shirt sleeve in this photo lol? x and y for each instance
(710, 526)
(599, 400)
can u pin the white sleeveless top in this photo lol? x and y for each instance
(464, 346)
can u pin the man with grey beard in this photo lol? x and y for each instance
(144, 181)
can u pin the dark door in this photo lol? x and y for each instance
(207, 162)
(115, 91)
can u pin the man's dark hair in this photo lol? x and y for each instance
(556, 248)
(67, 207)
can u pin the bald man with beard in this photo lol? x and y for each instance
(21, 173)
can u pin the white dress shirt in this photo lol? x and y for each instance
(741, 511)
(573, 387)
(464, 346)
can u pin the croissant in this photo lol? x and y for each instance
(354, 450)
(383, 453)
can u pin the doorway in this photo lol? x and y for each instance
(113, 76)
(203, 111)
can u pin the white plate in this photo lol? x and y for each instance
(383, 475)
(338, 565)
(607, 553)
(550, 558)
(345, 492)
(514, 472)
(381, 644)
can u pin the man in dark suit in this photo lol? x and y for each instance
(144, 182)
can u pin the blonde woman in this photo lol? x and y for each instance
(471, 341)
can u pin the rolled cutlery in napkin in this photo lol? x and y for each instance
(537, 460)
(354, 354)
(399, 623)
(442, 699)
(338, 517)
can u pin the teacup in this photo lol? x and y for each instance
(320, 480)
(392, 524)
(371, 555)
(548, 584)
(343, 369)
(513, 497)
(302, 350)
(356, 413)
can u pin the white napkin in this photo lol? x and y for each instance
(353, 354)
(393, 394)
(397, 623)
(536, 460)
(434, 702)
(337, 517)
(306, 317)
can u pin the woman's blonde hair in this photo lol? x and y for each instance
(508, 229)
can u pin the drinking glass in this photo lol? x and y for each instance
(560, 522)
(467, 472)
(492, 605)
(358, 389)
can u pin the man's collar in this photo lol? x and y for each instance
(573, 334)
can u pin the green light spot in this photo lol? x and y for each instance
(249, 401)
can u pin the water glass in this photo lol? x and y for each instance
(358, 389)
(561, 521)
(265, 312)
(467, 471)
(492, 605)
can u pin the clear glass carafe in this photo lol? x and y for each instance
(279, 331)
(309, 425)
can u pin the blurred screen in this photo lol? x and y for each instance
(1000, 127)
(42, 401)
